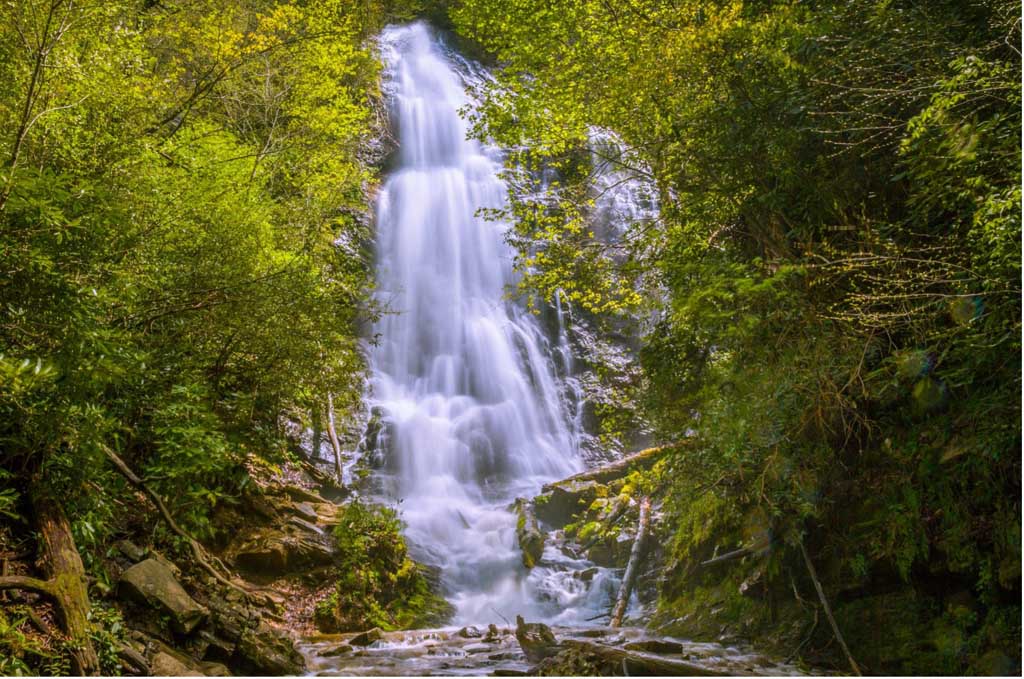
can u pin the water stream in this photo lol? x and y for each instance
(465, 380)
(476, 402)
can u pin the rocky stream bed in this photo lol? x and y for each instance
(498, 652)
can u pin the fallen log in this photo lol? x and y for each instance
(636, 663)
(67, 585)
(633, 566)
(645, 459)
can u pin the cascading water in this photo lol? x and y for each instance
(473, 413)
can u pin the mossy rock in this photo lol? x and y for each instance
(566, 499)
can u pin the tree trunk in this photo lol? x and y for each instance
(633, 567)
(333, 433)
(67, 585)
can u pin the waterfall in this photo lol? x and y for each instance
(473, 413)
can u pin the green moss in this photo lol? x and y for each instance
(378, 585)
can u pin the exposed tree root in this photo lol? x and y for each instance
(205, 561)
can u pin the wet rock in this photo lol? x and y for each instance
(531, 537)
(476, 648)
(336, 651)
(367, 638)
(587, 574)
(558, 506)
(153, 584)
(166, 665)
(503, 672)
(470, 632)
(269, 651)
(660, 646)
(594, 633)
(611, 552)
(536, 639)
(493, 634)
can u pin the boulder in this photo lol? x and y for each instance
(612, 551)
(470, 632)
(335, 651)
(565, 499)
(267, 650)
(368, 637)
(536, 639)
(531, 537)
(276, 551)
(166, 665)
(153, 584)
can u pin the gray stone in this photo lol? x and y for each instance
(335, 651)
(368, 637)
(304, 510)
(153, 584)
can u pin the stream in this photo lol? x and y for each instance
(472, 400)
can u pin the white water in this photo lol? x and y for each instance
(474, 413)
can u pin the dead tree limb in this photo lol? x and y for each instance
(333, 434)
(633, 566)
(201, 557)
(645, 459)
(728, 556)
(828, 610)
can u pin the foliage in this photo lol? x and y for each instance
(378, 584)
(180, 204)
(834, 277)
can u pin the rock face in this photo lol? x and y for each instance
(531, 537)
(166, 665)
(153, 584)
(277, 551)
(565, 499)
(269, 652)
